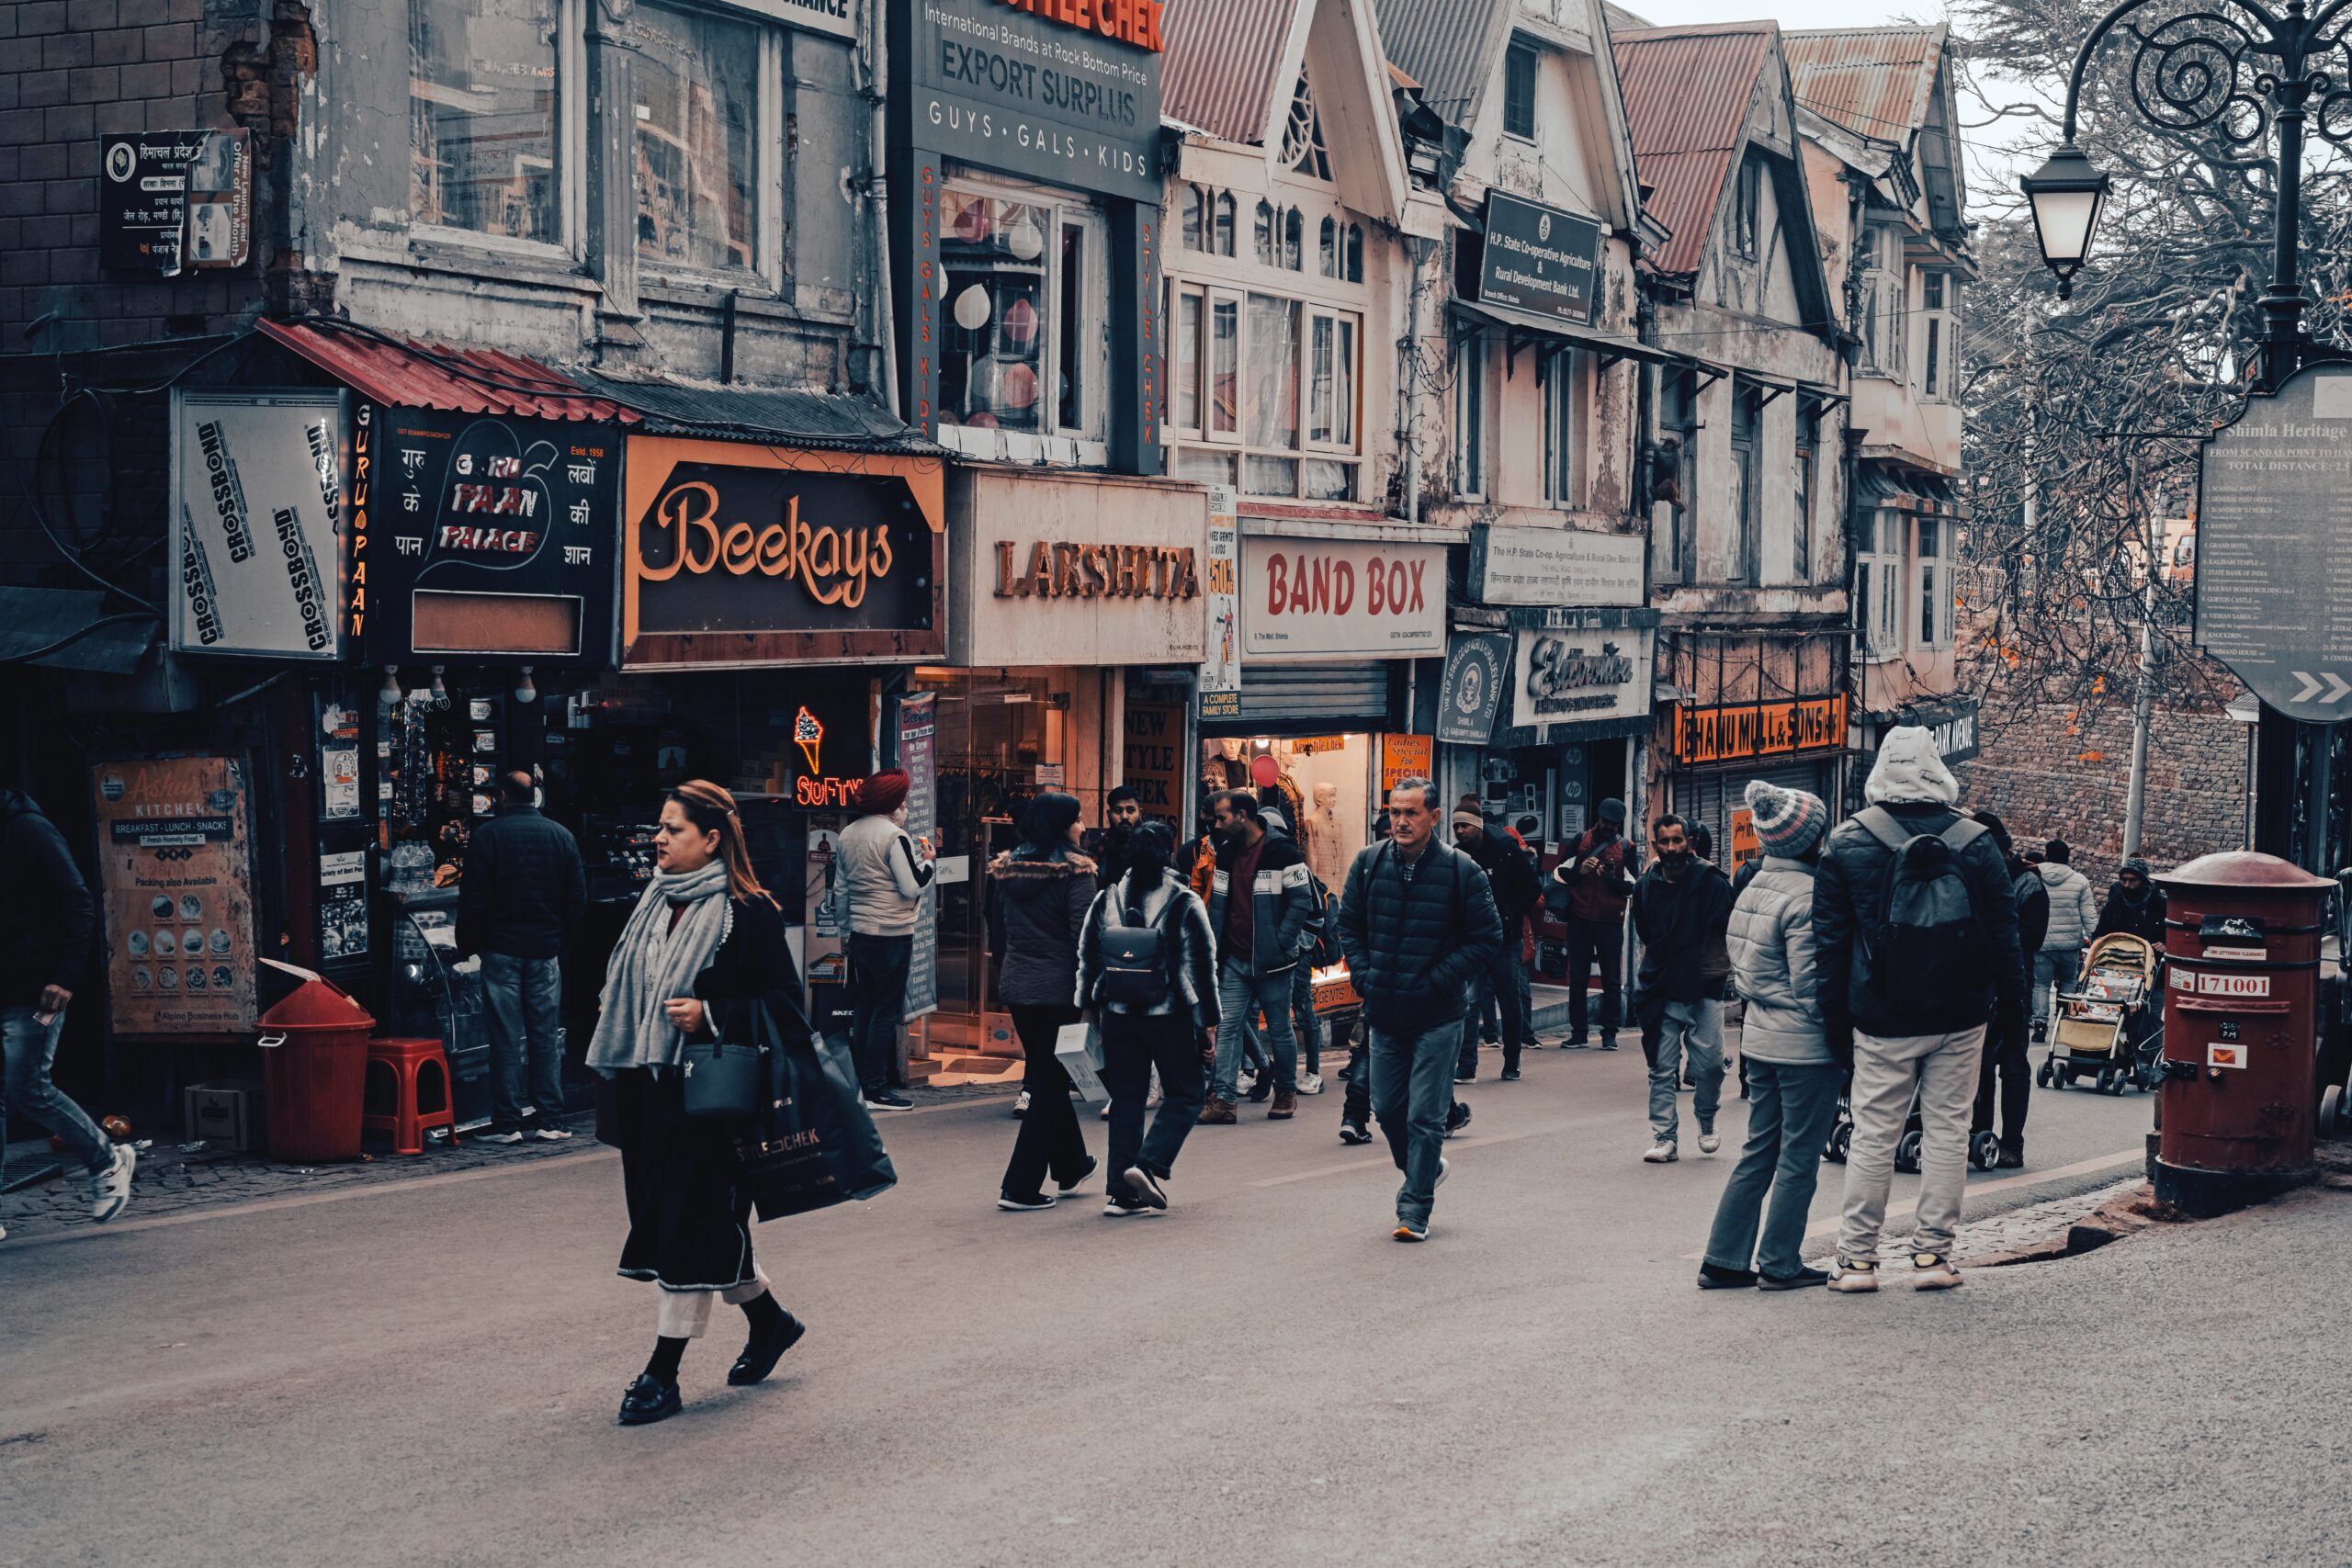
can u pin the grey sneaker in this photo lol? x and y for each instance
(1852, 1276)
(512, 1136)
(110, 1188)
(1708, 1142)
(549, 1134)
(1662, 1152)
(1933, 1271)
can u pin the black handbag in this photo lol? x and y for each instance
(720, 1080)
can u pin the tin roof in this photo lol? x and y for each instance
(1873, 81)
(1218, 72)
(419, 375)
(1448, 47)
(734, 411)
(1687, 95)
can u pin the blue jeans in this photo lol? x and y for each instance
(1412, 1094)
(523, 997)
(1497, 990)
(30, 1049)
(1790, 1108)
(1699, 1027)
(1239, 995)
(1302, 1001)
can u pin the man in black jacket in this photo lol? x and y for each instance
(1512, 877)
(518, 903)
(2134, 904)
(1416, 922)
(2007, 1054)
(46, 923)
(1916, 951)
(1681, 912)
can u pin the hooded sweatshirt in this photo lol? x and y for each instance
(2074, 907)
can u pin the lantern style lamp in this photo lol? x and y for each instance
(2066, 194)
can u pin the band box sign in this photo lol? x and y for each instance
(482, 536)
(1758, 729)
(257, 504)
(741, 555)
(1341, 598)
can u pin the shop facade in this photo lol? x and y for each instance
(1744, 708)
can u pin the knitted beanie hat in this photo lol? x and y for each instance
(1788, 821)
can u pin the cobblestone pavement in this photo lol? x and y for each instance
(2016, 1231)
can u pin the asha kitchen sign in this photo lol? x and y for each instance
(1338, 598)
(746, 554)
(1758, 729)
(257, 508)
(482, 535)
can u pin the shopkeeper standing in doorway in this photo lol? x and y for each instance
(882, 873)
(518, 905)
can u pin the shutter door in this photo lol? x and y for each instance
(1323, 698)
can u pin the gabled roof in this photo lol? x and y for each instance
(1876, 82)
(1223, 60)
(1451, 47)
(1687, 95)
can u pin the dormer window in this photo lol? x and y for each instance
(1303, 149)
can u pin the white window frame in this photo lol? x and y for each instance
(1681, 555)
(1562, 427)
(1804, 472)
(1204, 435)
(1931, 582)
(1746, 567)
(1936, 325)
(1053, 442)
(1879, 614)
(1747, 208)
(1473, 425)
(1885, 303)
(572, 157)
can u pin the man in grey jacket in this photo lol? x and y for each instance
(1792, 1077)
(884, 873)
(2074, 915)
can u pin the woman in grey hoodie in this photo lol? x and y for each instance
(1793, 1077)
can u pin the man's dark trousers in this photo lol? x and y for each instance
(1589, 940)
(878, 994)
(2008, 1057)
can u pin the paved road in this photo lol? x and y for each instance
(426, 1374)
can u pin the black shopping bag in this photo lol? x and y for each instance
(814, 1144)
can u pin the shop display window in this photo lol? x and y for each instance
(1027, 284)
(696, 81)
(482, 108)
(1322, 782)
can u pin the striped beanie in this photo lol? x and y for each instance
(1788, 821)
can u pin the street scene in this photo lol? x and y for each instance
(1462, 781)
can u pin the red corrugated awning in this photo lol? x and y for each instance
(440, 376)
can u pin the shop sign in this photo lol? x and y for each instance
(1554, 566)
(1954, 725)
(1221, 673)
(482, 536)
(1151, 761)
(1539, 259)
(1745, 845)
(918, 755)
(1075, 570)
(838, 17)
(1758, 729)
(742, 555)
(1060, 569)
(175, 889)
(176, 200)
(256, 516)
(1476, 668)
(1062, 90)
(1341, 598)
(1590, 668)
(1405, 757)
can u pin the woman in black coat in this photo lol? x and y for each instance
(1038, 897)
(702, 957)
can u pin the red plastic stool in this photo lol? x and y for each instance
(408, 1092)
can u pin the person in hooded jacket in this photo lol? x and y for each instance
(1909, 1004)
(1174, 1032)
(2073, 911)
(2007, 1054)
(2134, 904)
(1039, 893)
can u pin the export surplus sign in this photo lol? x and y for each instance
(482, 535)
(1758, 729)
(1339, 598)
(175, 889)
(1539, 259)
(257, 505)
(1584, 667)
(768, 554)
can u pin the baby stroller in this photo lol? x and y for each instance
(1984, 1148)
(2107, 1026)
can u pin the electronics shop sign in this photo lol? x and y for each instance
(1063, 90)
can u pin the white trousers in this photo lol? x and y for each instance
(686, 1314)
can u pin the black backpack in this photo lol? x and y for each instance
(1929, 950)
(1136, 967)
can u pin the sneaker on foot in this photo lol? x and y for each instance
(547, 1133)
(1217, 1113)
(1470, 1076)
(1610, 1043)
(1284, 1107)
(1708, 1142)
(1662, 1152)
(1245, 1081)
(1311, 1084)
(1145, 1188)
(1510, 1075)
(111, 1189)
(1802, 1279)
(2010, 1159)
(512, 1136)
(1715, 1277)
(1576, 1041)
(1021, 1105)
(1353, 1133)
(1457, 1119)
(1104, 1114)
(1411, 1230)
(1444, 1170)
(1933, 1271)
(1067, 1187)
(1851, 1276)
(1042, 1201)
(1119, 1208)
(887, 1100)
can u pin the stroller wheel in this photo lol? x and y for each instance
(2045, 1075)
(1985, 1150)
(1841, 1139)
(1906, 1153)
(2331, 1112)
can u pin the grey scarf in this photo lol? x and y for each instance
(653, 965)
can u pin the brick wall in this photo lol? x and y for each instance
(2065, 771)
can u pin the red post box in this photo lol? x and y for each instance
(2234, 1117)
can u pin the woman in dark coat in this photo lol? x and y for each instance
(1038, 896)
(702, 957)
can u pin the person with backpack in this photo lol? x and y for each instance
(1259, 906)
(1793, 1077)
(1681, 911)
(1416, 922)
(1512, 879)
(1588, 892)
(2074, 915)
(1146, 974)
(2007, 1054)
(1915, 953)
(1039, 895)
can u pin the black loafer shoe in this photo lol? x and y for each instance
(761, 1355)
(1713, 1277)
(648, 1400)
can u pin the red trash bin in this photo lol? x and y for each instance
(314, 1068)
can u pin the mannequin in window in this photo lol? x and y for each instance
(1327, 855)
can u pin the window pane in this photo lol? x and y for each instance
(1270, 475)
(1294, 241)
(1326, 250)
(1323, 480)
(1930, 538)
(1186, 378)
(1268, 254)
(1518, 92)
(1203, 468)
(1469, 416)
(481, 97)
(1272, 416)
(1189, 206)
(1926, 606)
(1072, 347)
(1224, 225)
(1321, 345)
(1225, 363)
(1934, 355)
(992, 252)
(1343, 430)
(1355, 253)
(696, 112)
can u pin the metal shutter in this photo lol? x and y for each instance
(1328, 697)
